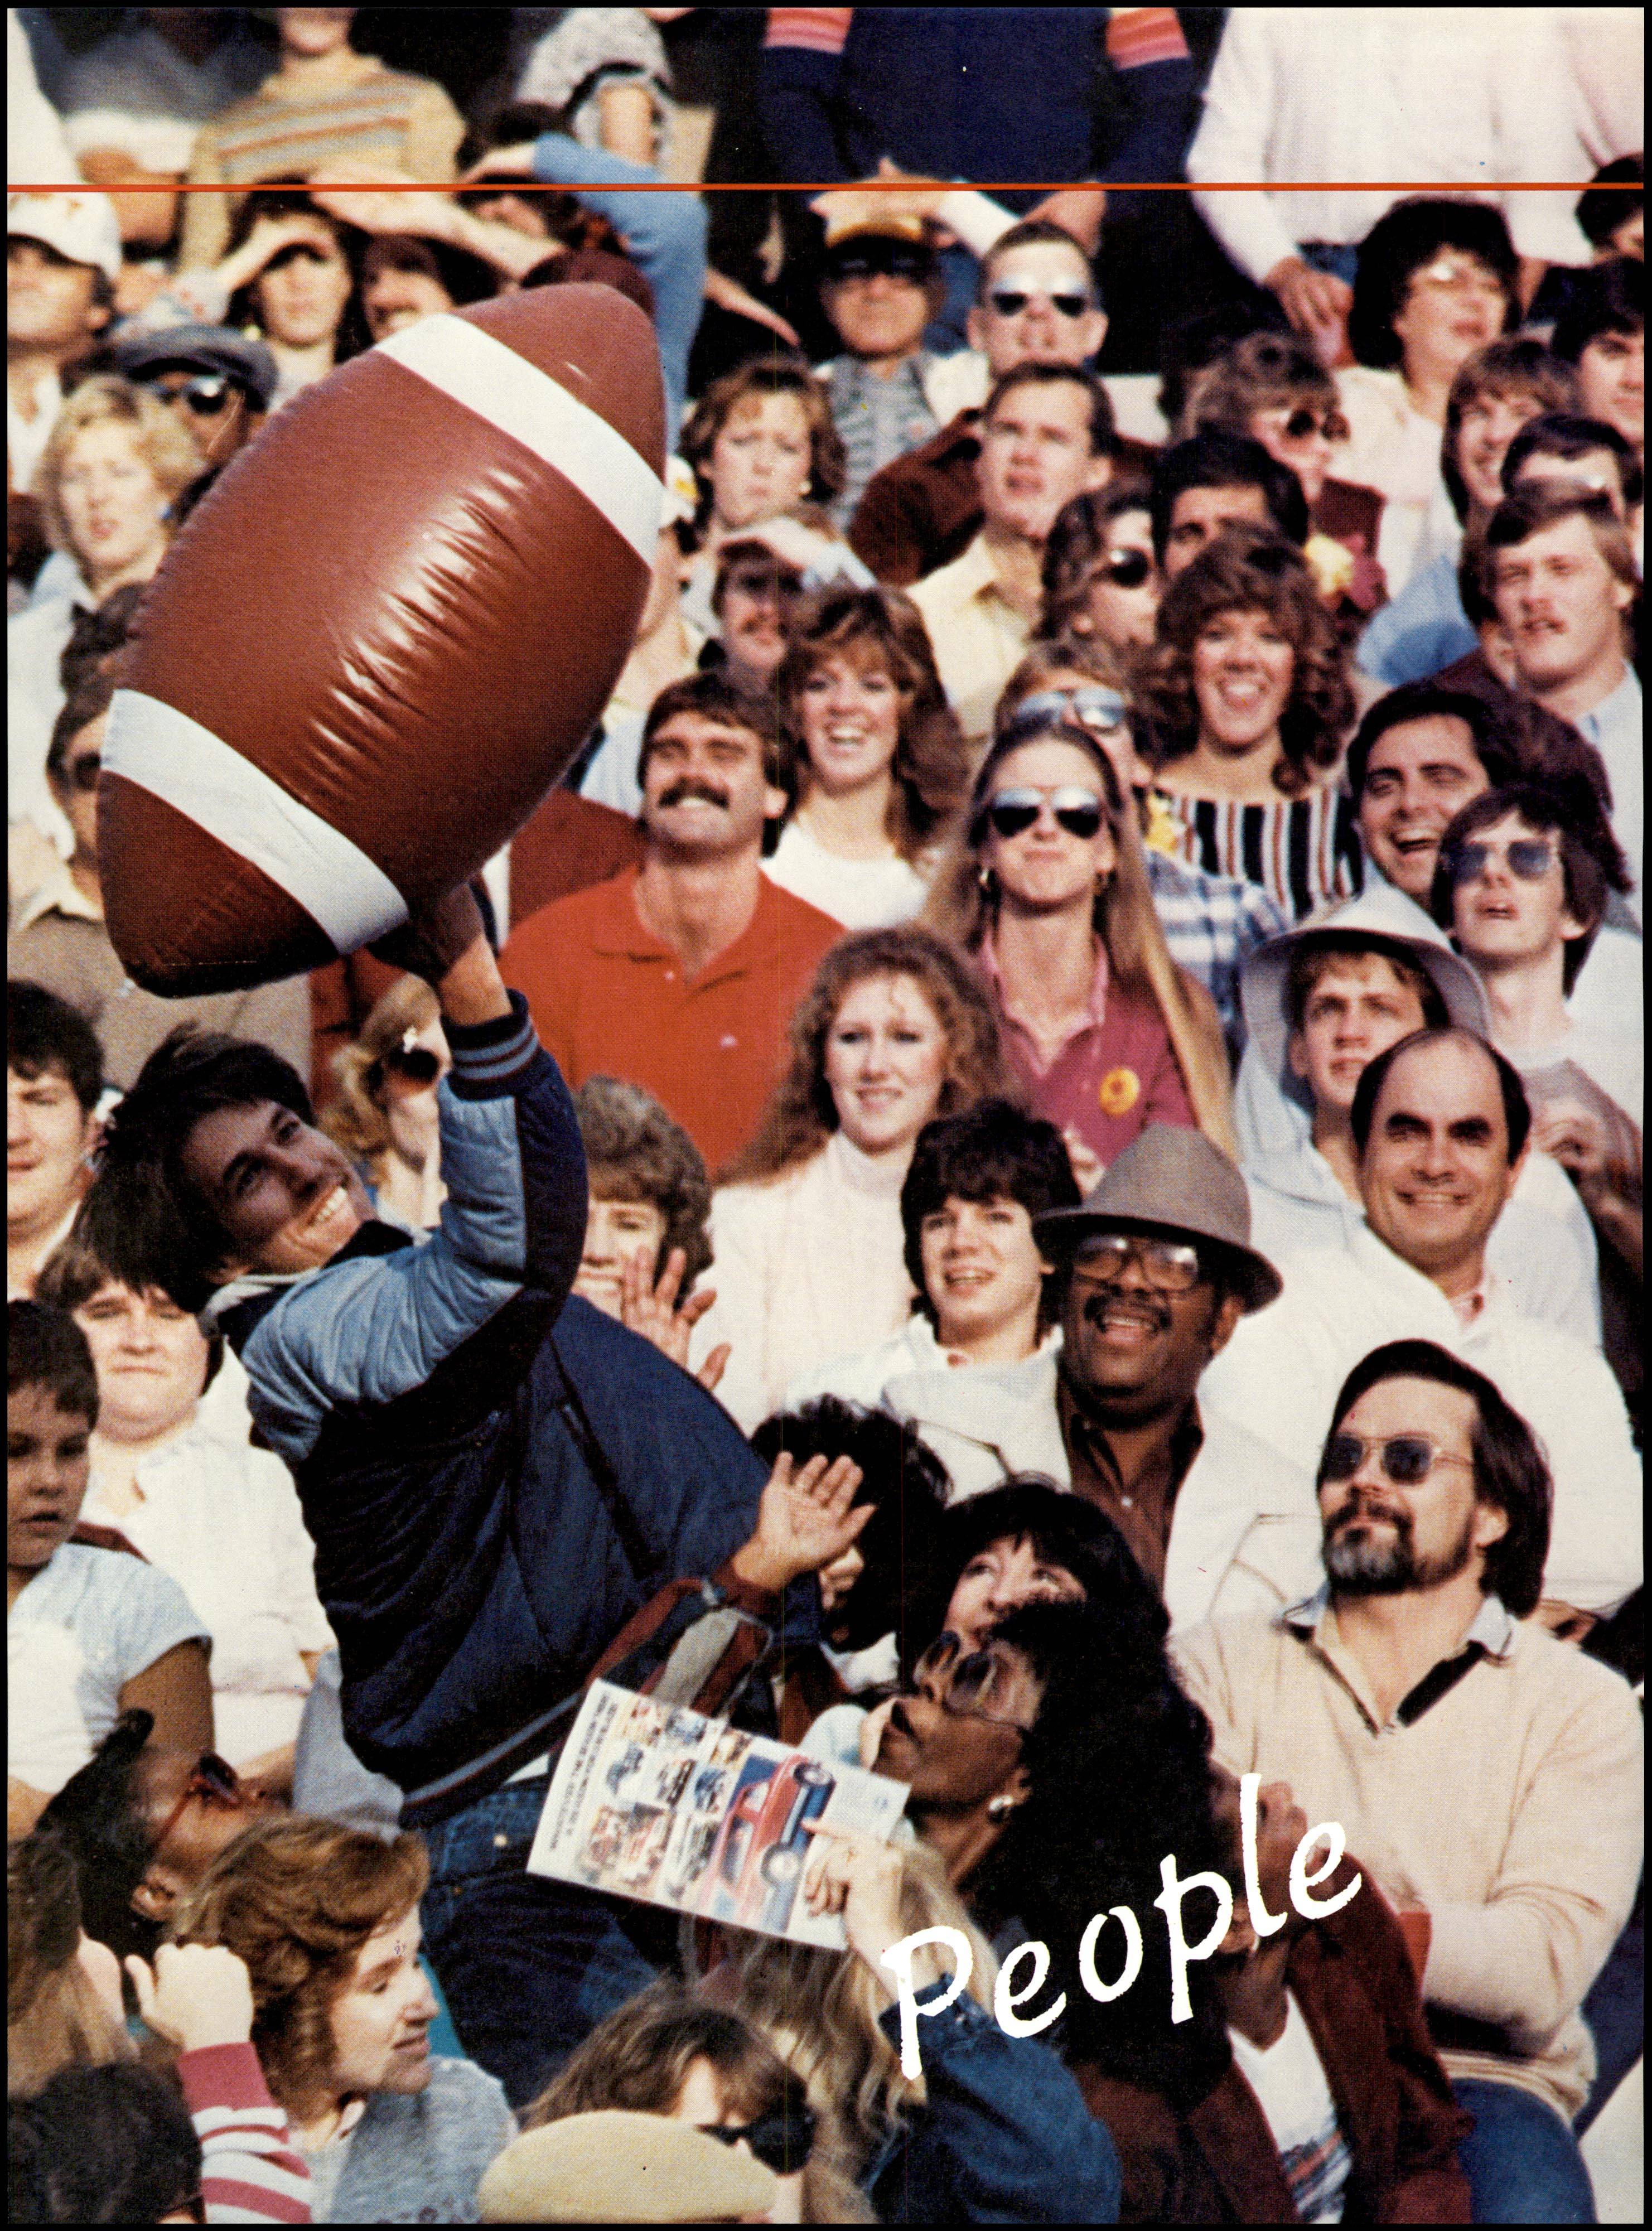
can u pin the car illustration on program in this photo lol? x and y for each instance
(758, 1861)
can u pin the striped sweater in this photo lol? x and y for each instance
(250, 2171)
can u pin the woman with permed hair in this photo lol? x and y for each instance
(806, 1225)
(384, 1116)
(1246, 704)
(879, 757)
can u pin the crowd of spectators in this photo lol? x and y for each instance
(1029, 1177)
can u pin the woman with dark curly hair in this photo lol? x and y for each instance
(1247, 703)
(880, 756)
(646, 1219)
(1437, 280)
(806, 1226)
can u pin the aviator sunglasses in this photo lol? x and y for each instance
(1013, 811)
(215, 1782)
(1010, 301)
(968, 1685)
(1406, 1459)
(1528, 857)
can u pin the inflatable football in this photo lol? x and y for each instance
(380, 639)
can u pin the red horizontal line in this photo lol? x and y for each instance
(893, 186)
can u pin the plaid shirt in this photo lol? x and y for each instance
(1210, 924)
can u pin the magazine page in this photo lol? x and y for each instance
(656, 1802)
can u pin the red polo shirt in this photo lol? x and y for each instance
(609, 999)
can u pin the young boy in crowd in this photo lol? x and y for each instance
(90, 1633)
(54, 1082)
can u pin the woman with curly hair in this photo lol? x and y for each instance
(880, 756)
(1047, 894)
(1247, 703)
(384, 1116)
(806, 1227)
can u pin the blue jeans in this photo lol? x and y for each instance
(528, 1967)
(1521, 2161)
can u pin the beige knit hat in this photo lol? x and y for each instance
(614, 2167)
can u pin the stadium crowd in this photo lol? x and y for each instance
(1029, 1177)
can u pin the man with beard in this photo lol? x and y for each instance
(1488, 1778)
(1159, 1271)
(1441, 1126)
(679, 974)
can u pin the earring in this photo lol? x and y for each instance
(1000, 1808)
(988, 881)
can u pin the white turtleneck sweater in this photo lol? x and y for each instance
(806, 1266)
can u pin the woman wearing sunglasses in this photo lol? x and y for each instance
(1246, 702)
(1273, 388)
(880, 759)
(1100, 578)
(666, 2053)
(58, 938)
(1048, 894)
(384, 1116)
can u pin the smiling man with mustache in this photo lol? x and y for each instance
(678, 976)
(1159, 1270)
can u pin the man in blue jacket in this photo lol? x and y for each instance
(499, 1480)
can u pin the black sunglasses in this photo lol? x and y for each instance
(1012, 812)
(896, 262)
(764, 581)
(206, 395)
(1127, 569)
(1303, 421)
(1010, 301)
(781, 2140)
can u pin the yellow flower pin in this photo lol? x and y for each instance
(1118, 1092)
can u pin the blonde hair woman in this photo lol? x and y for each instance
(384, 1116)
(806, 1230)
(1047, 892)
(115, 464)
(994, 2129)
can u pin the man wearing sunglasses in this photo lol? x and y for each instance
(216, 382)
(1158, 1271)
(1440, 1124)
(1046, 437)
(1036, 305)
(881, 287)
(1488, 1777)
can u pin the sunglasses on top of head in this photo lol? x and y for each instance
(1010, 301)
(1012, 812)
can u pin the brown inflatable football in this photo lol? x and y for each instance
(378, 641)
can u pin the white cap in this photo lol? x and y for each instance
(80, 227)
(1387, 917)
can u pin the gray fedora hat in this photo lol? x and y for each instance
(1171, 1181)
(1386, 920)
(218, 351)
